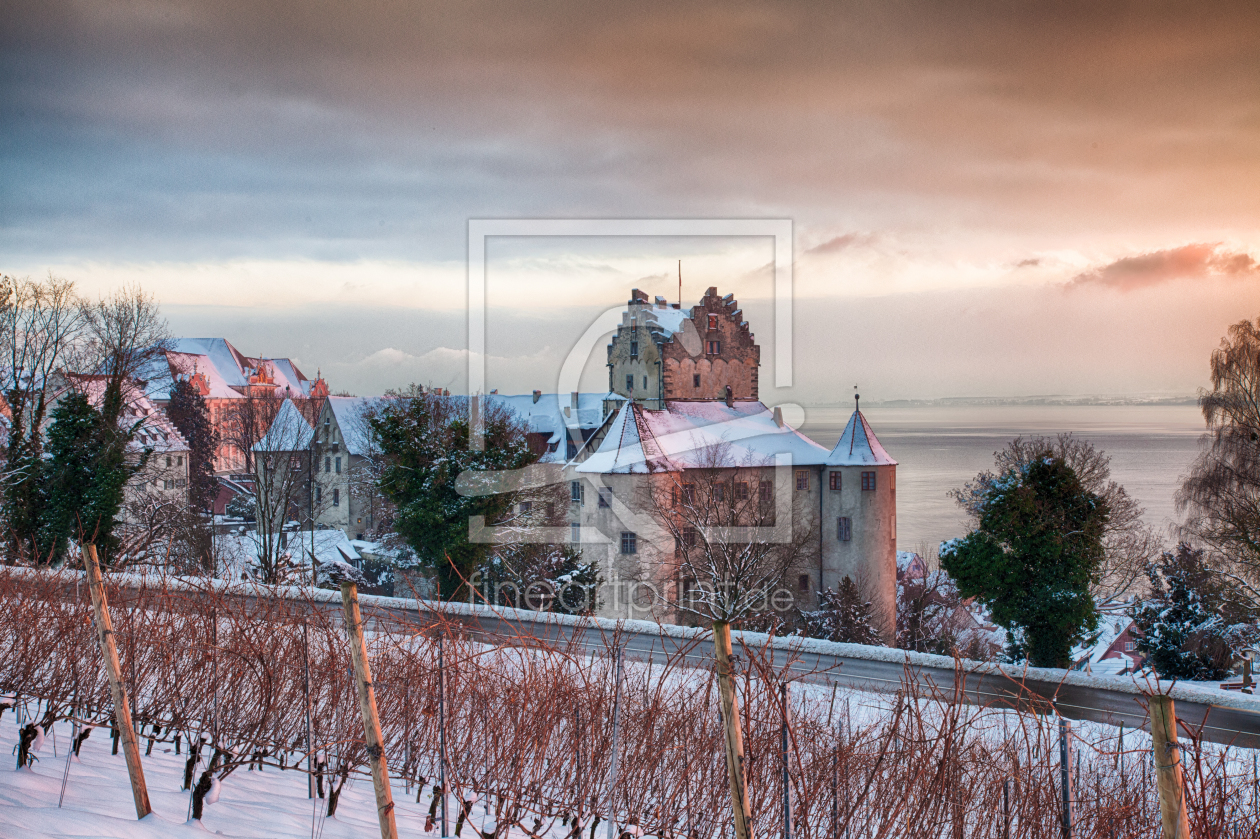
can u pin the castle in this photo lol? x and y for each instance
(684, 427)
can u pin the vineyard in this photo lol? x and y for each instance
(523, 732)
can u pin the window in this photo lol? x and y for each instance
(319, 495)
(605, 496)
(575, 533)
(1129, 646)
(295, 462)
(719, 492)
(868, 482)
(570, 448)
(179, 460)
(802, 479)
(629, 543)
(695, 380)
(689, 537)
(551, 510)
(689, 493)
(338, 464)
(180, 483)
(645, 382)
(336, 497)
(526, 506)
(714, 348)
(844, 529)
(168, 460)
(328, 464)
(802, 584)
(741, 490)
(168, 484)
(833, 481)
(634, 349)
(630, 382)
(713, 322)
(687, 589)
(765, 490)
(575, 492)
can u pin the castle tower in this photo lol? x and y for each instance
(859, 519)
(662, 352)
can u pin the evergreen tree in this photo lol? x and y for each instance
(1036, 551)
(843, 615)
(85, 476)
(424, 439)
(189, 413)
(1194, 621)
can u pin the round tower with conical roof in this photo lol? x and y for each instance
(859, 519)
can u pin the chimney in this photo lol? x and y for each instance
(637, 296)
(573, 400)
(537, 396)
(778, 416)
(730, 397)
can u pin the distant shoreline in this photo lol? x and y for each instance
(1073, 401)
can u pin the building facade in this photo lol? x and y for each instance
(230, 382)
(683, 419)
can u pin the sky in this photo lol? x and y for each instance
(987, 199)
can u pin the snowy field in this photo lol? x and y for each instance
(251, 804)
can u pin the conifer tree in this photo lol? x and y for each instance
(843, 615)
(189, 414)
(1195, 620)
(85, 475)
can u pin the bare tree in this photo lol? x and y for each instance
(1129, 543)
(245, 423)
(41, 330)
(1221, 495)
(283, 491)
(124, 334)
(737, 536)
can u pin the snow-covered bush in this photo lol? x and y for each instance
(1195, 621)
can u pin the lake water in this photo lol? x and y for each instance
(940, 448)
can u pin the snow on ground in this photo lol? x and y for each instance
(268, 805)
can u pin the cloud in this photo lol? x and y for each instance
(842, 243)
(1194, 261)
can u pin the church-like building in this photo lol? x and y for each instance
(687, 449)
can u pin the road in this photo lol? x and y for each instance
(1229, 719)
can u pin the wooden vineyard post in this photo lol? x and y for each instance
(616, 736)
(1168, 775)
(733, 732)
(367, 706)
(118, 691)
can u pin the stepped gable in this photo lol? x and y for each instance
(724, 353)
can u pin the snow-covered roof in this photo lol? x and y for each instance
(668, 319)
(155, 432)
(289, 431)
(226, 369)
(351, 414)
(858, 446)
(552, 414)
(682, 436)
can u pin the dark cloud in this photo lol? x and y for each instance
(1186, 262)
(1028, 263)
(367, 129)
